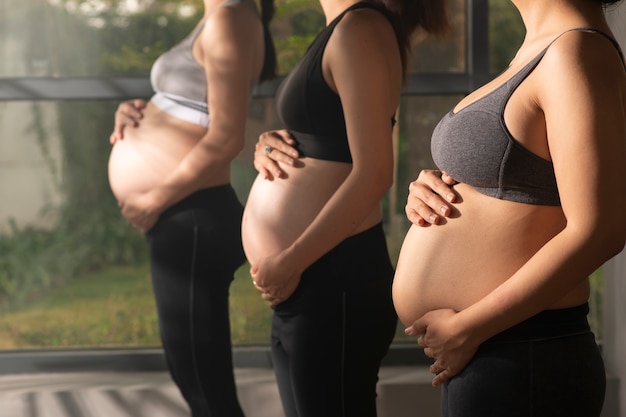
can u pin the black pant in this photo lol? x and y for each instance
(195, 248)
(547, 366)
(329, 337)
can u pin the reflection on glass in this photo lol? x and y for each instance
(80, 38)
(72, 272)
(446, 55)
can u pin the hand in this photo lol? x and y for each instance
(275, 278)
(273, 147)
(451, 350)
(426, 204)
(140, 212)
(128, 113)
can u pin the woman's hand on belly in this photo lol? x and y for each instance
(128, 113)
(443, 340)
(273, 147)
(430, 198)
(276, 278)
(140, 211)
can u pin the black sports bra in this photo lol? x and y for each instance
(475, 147)
(309, 109)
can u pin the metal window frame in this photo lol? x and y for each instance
(120, 88)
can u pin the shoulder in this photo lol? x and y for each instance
(364, 21)
(584, 52)
(230, 24)
(364, 30)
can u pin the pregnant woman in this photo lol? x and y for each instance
(170, 171)
(314, 237)
(497, 290)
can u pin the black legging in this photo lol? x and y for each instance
(195, 248)
(546, 366)
(330, 336)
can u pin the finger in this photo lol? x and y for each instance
(282, 141)
(427, 201)
(266, 165)
(139, 104)
(417, 328)
(429, 352)
(416, 219)
(432, 179)
(447, 178)
(265, 173)
(441, 378)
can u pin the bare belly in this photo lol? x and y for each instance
(456, 264)
(278, 211)
(150, 152)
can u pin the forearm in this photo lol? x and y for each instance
(206, 161)
(341, 216)
(557, 269)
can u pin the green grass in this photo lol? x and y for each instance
(115, 308)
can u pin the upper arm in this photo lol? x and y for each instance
(583, 97)
(229, 46)
(362, 61)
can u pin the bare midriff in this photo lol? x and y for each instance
(278, 211)
(455, 264)
(153, 150)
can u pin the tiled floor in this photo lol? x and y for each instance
(152, 394)
(128, 394)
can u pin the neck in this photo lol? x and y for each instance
(549, 17)
(209, 5)
(333, 8)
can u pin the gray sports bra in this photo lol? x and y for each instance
(475, 147)
(177, 74)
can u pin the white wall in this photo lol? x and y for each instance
(615, 285)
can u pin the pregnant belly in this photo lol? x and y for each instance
(278, 211)
(149, 153)
(458, 263)
(134, 168)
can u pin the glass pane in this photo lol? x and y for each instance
(506, 33)
(82, 38)
(73, 38)
(447, 55)
(72, 272)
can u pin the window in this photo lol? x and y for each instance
(72, 273)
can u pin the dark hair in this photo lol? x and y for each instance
(429, 16)
(607, 2)
(269, 63)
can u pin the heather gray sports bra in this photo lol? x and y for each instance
(180, 81)
(475, 147)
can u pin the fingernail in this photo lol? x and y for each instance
(443, 210)
(450, 197)
(432, 218)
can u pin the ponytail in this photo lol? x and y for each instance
(269, 63)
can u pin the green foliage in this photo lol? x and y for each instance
(507, 33)
(90, 233)
(37, 260)
(129, 50)
(114, 307)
